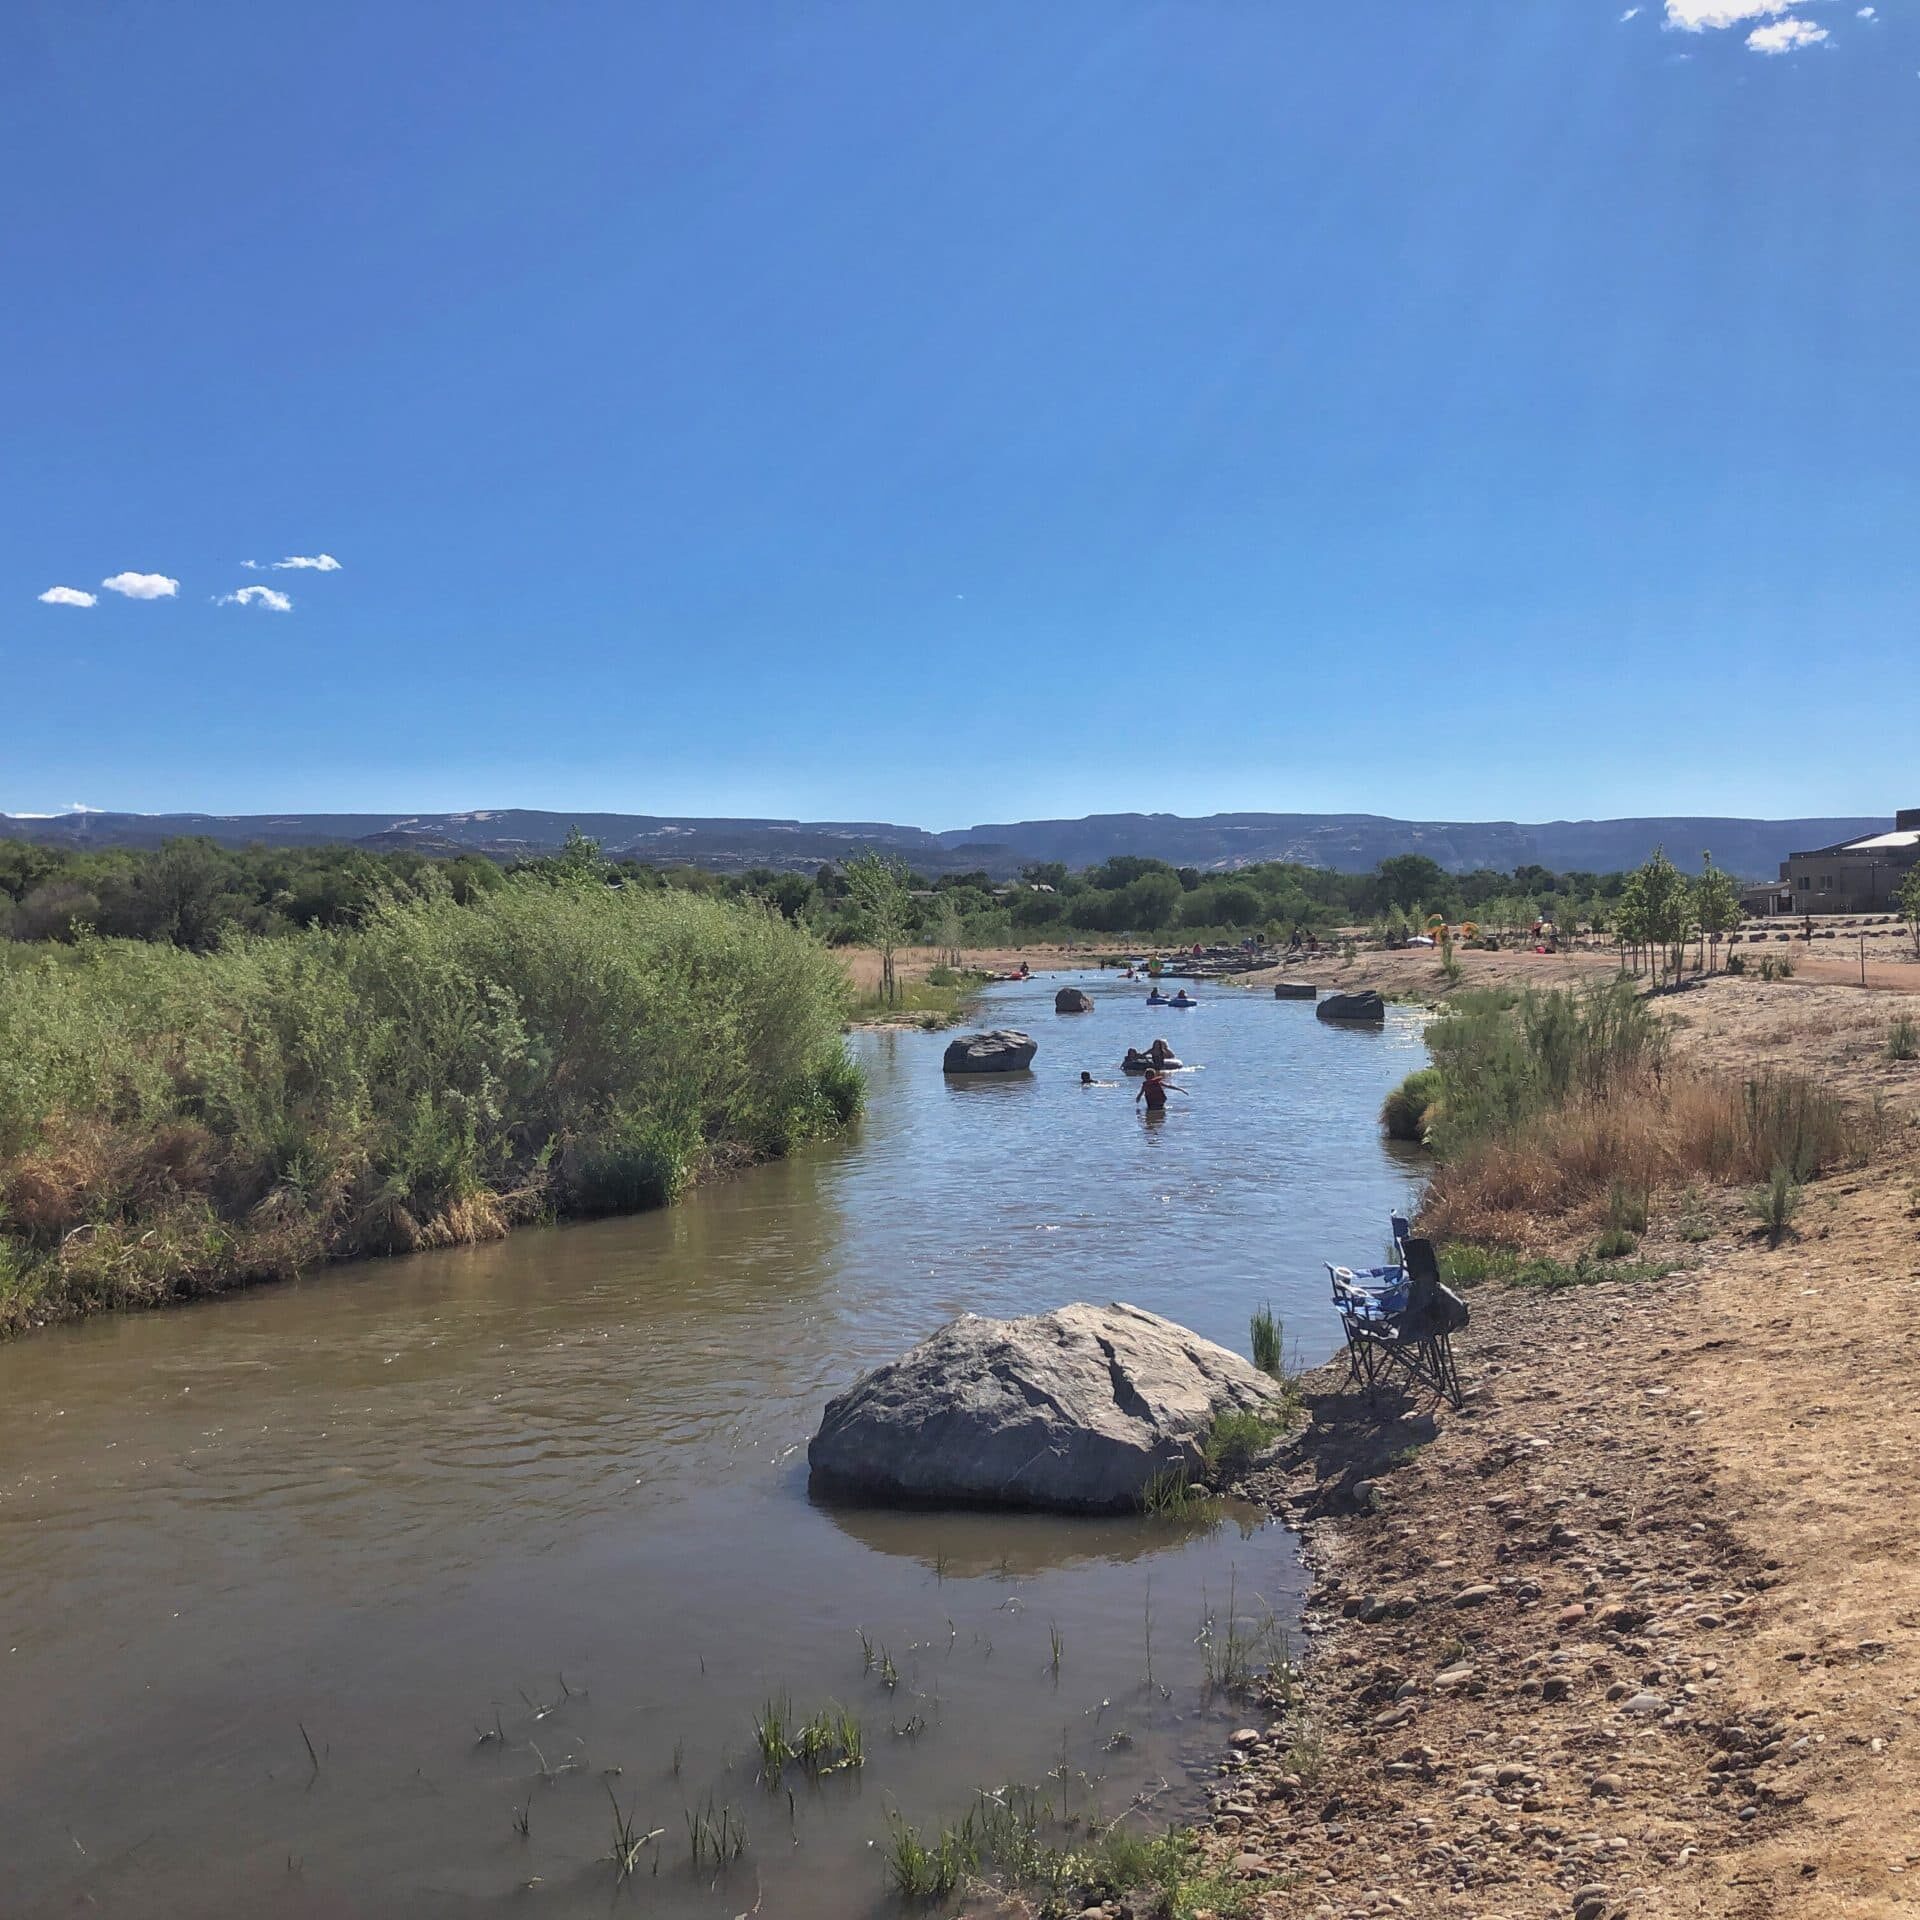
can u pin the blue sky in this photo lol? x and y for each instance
(963, 410)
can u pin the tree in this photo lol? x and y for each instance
(1909, 898)
(882, 909)
(944, 928)
(1630, 920)
(1716, 906)
(185, 894)
(579, 858)
(1123, 869)
(1150, 900)
(1657, 912)
(1409, 878)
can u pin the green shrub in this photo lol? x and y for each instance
(632, 1166)
(1236, 1440)
(1903, 1038)
(1404, 1111)
(1503, 1057)
(1465, 1264)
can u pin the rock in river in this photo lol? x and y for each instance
(1075, 1410)
(1072, 1000)
(1355, 1009)
(1002, 1051)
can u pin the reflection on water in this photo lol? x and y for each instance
(508, 1529)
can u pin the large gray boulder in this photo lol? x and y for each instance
(1072, 1000)
(1075, 1410)
(1002, 1051)
(1353, 1009)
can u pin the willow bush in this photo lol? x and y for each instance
(173, 1121)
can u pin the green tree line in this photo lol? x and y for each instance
(193, 893)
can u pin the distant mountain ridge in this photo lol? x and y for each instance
(1344, 842)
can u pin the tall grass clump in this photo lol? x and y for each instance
(1265, 1334)
(1903, 1037)
(1775, 1204)
(174, 1122)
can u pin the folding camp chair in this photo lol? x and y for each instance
(1400, 1319)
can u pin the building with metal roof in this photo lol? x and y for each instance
(1856, 876)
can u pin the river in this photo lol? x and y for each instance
(312, 1597)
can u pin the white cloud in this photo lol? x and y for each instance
(254, 564)
(1786, 36)
(1632, 13)
(142, 586)
(1867, 13)
(1696, 16)
(256, 597)
(69, 597)
(313, 563)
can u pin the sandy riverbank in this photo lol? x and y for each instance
(915, 963)
(1637, 1631)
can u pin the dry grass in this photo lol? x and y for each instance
(1655, 1135)
(862, 964)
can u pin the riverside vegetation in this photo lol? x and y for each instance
(193, 893)
(1562, 1109)
(176, 1121)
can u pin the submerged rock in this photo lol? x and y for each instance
(1075, 1410)
(1356, 1009)
(1295, 990)
(1072, 1000)
(1002, 1051)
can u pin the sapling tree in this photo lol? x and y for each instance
(1667, 910)
(881, 897)
(945, 931)
(1716, 908)
(1630, 919)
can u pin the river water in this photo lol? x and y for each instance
(310, 1597)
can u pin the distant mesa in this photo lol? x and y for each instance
(1342, 842)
